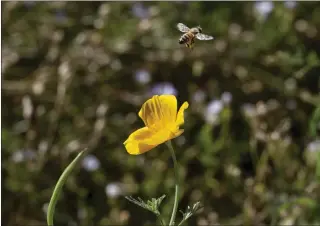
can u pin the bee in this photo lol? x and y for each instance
(190, 34)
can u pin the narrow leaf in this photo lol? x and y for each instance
(58, 188)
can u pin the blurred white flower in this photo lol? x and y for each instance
(226, 97)
(142, 76)
(163, 88)
(45, 207)
(43, 146)
(314, 146)
(215, 107)
(290, 4)
(199, 96)
(212, 111)
(113, 190)
(249, 110)
(264, 8)
(17, 156)
(27, 106)
(90, 163)
(82, 213)
(22, 155)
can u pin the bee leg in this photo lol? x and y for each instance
(187, 45)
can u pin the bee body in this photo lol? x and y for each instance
(186, 37)
(190, 34)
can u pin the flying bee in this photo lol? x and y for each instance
(190, 34)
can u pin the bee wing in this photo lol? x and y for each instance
(183, 28)
(201, 36)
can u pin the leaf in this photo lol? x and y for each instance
(58, 188)
(190, 211)
(151, 205)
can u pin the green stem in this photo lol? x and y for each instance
(182, 222)
(318, 166)
(58, 188)
(176, 196)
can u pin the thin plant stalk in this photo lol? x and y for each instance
(58, 188)
(176, 196)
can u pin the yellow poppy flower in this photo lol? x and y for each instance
(162, 121)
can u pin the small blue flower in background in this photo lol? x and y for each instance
(211, 114)
(163, 88)
(60, 15)
(140, 11)
(215, 107)
(142, 76)
(290, 4)
(90, 163)
(264, 8)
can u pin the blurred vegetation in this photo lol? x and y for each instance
(75, 74)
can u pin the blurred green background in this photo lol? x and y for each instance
(75, 74)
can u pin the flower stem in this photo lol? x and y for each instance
(176, 196)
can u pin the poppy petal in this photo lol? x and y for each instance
(144, 139)
(159, 111)
(180, 115)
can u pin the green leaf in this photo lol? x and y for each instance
(58, 188)
(190, 211)
(151, 205)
